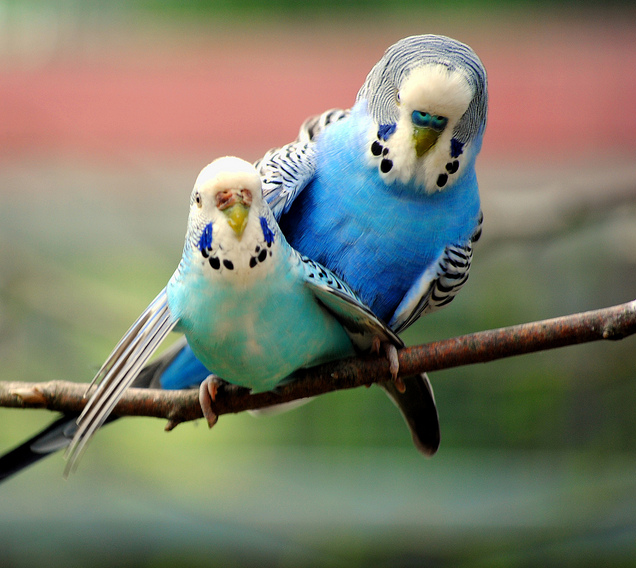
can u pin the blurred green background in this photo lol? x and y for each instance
(108, 112)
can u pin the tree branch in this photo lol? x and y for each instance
(611, 323)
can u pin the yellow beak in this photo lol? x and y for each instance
(237, 215)
(424, 139)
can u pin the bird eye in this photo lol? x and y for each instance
(197, 198)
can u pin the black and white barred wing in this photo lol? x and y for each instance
(314, 125)
(286, 171)
(438, 285)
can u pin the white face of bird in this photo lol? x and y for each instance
(431, 101)
(223, 194)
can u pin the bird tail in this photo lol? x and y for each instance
(55, 437)
(417, 405)
(58, 435)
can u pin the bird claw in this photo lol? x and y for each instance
(207, 397)
(390, 352)
(399, 384)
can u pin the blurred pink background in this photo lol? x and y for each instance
(558, 90)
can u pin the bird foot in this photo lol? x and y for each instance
(390, 352)
(207, 397)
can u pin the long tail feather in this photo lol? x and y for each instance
(417, 405)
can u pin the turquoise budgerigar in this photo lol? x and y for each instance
(252, 309)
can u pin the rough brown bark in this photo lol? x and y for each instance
(611, 323)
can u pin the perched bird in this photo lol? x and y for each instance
(385, 195)
(252, 309)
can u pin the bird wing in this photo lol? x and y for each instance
(340, 300)
(438, 284)
(417, 402)
(286, 171)
(315, 124)
(120, 370)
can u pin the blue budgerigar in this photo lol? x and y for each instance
(252, 309)
(385, 194)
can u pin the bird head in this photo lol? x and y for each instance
(224, 193)
(427, 99)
